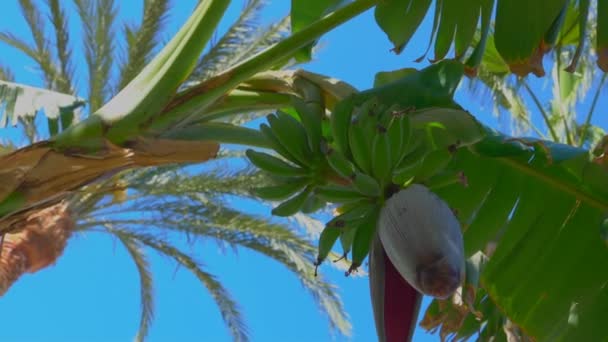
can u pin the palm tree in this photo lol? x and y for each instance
(139, 208)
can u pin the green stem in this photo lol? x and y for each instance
(222, 133)
(542, 112)
(581, 141)
(212, 89)
(245, 101)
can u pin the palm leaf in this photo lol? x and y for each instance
(142, 40)
(243, 39)
(134, 247)
(98, 18)
(6, 74)
(228, 307)
(58, 18)
(193, 204)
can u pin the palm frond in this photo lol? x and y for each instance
(35, 23)
(146, 289)
(280, 243)
(243, 39)
(19, 44)
(223, 49)
(198, 213)
(64, 53)
(98, 20)
(42, 54)
(6, 74)
(228, 307)
(142, 40)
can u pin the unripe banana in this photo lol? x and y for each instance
(433, 163)
(422, 238)
(340, 122)
(363, 238)
(340, 164)
(338, 193)
(311, 116)
(274, 165)
(312, 204)
(382, 156)
(281, 191)
(277, 146)
(347, 237)
(366, 184)
(328, 238)
(361, 132)
(399, 133)
(292, 136)
(292, 205)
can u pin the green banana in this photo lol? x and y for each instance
(281, 191)
(361, 132)
(339, 122)
(354, 212)
(434, 162)
(359, 144)
(311, 116)
(411, 162)
(292, 136)
(417, 150)
(363, 238)
(274, 165)
(292, 205)
(338, 162)
(312, 204)
(399, 134)
(366, 184)
(276, 145)
(381, 156)
(407, 173)
(337, 193)
(347, 236)
(327, 240)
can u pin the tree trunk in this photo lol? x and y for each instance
(36, 243)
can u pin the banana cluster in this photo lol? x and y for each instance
(357, 158)
(299, 167)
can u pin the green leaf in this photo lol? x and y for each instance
(305, 12)
(384, 77)
(399, 19)
(517, 42)
(542, 205)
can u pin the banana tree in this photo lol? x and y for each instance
(496, 185)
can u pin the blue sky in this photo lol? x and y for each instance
(92, 293)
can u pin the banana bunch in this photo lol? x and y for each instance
(377, 150)
(296, 137)
(372, 151)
